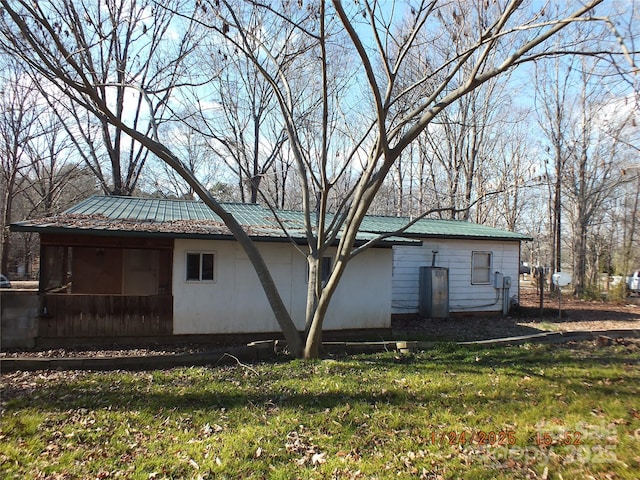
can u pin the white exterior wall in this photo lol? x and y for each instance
(235, 302)
(456, 256)
(363, 297)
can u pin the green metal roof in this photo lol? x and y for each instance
(169, 217)
(161, 209)
(435, 228)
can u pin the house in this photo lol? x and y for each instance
(482, 264)
(132, 270)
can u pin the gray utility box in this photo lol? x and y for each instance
(434, 292)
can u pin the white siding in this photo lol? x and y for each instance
(456, 256)
(363, 298)
(236, 303)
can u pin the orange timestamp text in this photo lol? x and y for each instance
(477, 437)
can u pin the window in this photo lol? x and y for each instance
(480, 268)
(200, 267)
(326, 269)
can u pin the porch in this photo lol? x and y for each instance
(67, 315)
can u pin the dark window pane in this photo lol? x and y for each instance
(207, 266)
(326, 268)
(193, 266)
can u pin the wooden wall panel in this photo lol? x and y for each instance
(81, 316)
(97, 270)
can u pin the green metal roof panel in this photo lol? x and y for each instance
(187, 217)
(427, 227)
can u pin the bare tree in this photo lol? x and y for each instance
(509, 176)
(592, 170)
(56, 178)
(196, 155)
(388, 135)
(243, 130)
(625, 215)
(627, 205)
(375, 144)
(552, 101)
(129, 50)
(240, 115)
(19, 113)
(584, 142)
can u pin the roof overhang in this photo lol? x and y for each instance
(268, 235)
(172, 218)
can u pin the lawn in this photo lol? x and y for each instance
(533, 411)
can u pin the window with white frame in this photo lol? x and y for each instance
(199, 267)
(480, 268)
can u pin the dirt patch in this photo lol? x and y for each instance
(526, 319)
(107, 352)
(573, 314)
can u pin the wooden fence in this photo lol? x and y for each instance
(69, 315)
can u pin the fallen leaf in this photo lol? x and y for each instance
(318, 459)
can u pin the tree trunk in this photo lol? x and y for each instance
(580, 259)
(5, 245)
(312, 297)
(288, 327)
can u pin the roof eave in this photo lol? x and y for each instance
(465, 237)
(61, 230)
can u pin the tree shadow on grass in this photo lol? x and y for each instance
(186, 391)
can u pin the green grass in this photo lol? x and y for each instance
(549, 326)
(428, 415)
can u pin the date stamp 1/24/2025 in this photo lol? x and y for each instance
(503, 437)
(477, 437)
(575, 446)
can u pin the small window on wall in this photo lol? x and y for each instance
(326, 269)
(199, 267)
(480, 268)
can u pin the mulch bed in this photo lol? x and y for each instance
(525, 319)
